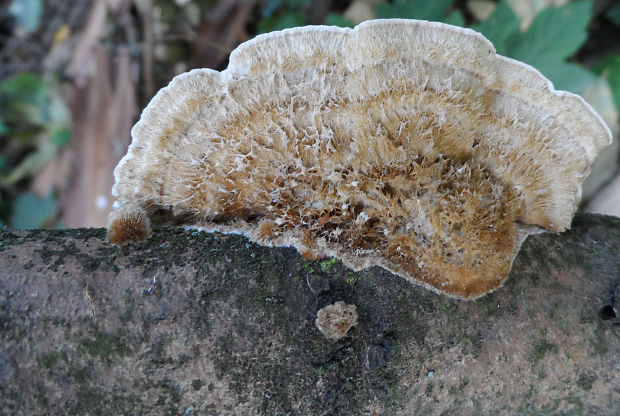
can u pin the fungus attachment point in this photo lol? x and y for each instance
(130, 223)
(334, 321)
(400, 143)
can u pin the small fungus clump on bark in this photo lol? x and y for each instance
(128, 224)
(334, 321)
(406, 144)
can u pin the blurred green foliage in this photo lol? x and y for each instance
(281, 14)
(24, 97)
(614, 14)
(34, 126)
(436, 10)
(32, 211)
(610, 69)
(334, 19)
(555, 35)
(27, 13)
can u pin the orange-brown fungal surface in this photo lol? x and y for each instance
(405, 144)
(130, 223)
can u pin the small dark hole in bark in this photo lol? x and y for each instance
(607, 312)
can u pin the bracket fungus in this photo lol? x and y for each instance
(406, 144)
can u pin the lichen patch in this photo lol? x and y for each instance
(334, 321)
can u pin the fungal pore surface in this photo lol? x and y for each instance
(406, 144)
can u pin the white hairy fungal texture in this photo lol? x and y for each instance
(405, 144)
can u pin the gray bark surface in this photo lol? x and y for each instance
(195, 323)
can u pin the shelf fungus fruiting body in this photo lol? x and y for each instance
(405, 144)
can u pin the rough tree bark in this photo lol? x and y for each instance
(195, 323)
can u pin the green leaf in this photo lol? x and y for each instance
(434, 10)
(4, 129)
(501, 24)
(26, 98)
(610, 68)
(293, 4)
(455, 18)
(605, 63)
(26, 86)
(285, 21)
(32, 163)
(335, 19)
(27, 13)
(289, 20)
(60, 136)
(31, 211)
(554, 35)
(58, 111)
(614, 14)
(271, 6)
(568, 76)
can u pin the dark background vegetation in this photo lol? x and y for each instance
(74, 76)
